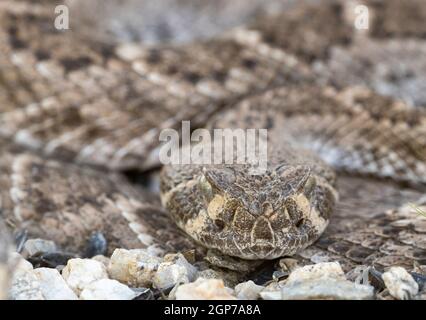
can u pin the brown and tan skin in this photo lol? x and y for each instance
(287, 208)
(80, 109)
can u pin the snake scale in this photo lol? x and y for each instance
(77, 112)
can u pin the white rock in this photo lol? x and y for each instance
(248, 290)
(168, 275)
(180, 260)
(79, 273)
(107, 289)
(400, 283)
(18, 263)
(316, 271)
(156, 251)
(4, 282)
(175, 269)
(325, 280)
(102, 259)
(271, 295)
(135, 267)
(33, 246)
(25, 286)
(53, 286)
(326, 288)
(204, 289)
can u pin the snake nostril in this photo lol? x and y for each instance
(299, 223)
(220, 224)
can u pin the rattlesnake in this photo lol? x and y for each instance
(76, 111)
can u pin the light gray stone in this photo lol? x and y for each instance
(79, 273)
(174, 270)
(53, 286)
(270, 295)
(204, 289)
(135, 268)
(326, 288)
(33, 246)
(400, 283)
(248, 290)
(315, 271)
(25, 284)
(107, 289)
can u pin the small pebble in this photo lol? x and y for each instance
(270, 295)
(102, 259)
(135, 268)
(35, 246)
(25, 286)
(326, 288)
(320, 281)
(4, 282)
(204, 289)
(175, 269)
(229, 278)
(107, 289)
(53, 286)
(79, 273)
(248, 290)
(400, 283)
(315, 271)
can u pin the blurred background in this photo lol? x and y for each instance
(392, 61)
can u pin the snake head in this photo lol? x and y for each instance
(260, 216)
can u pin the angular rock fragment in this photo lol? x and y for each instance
(81, 272)
(107, 289)
(400, 283)
(135, 267)
(204, 289)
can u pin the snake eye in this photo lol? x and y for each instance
(293, 211)
(205, 188)
(309, 187)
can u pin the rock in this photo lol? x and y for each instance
(18, 263)
(107, 289)
(180, 260)
(174, 270)
(248, 290)
(4, 282)
(270, 295)
(324, 280)
(420, 279)
(79, 273)
(53, 286)
(421, 296)
(315, 271)
(102, 259)
(168, 275)
(359, 274)
(400, 283)
(229, 278)
(156, 251)
(326, 288)
(135, 268)
(34, 246)
(204, 289)
(25, 286)
(272, 291)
